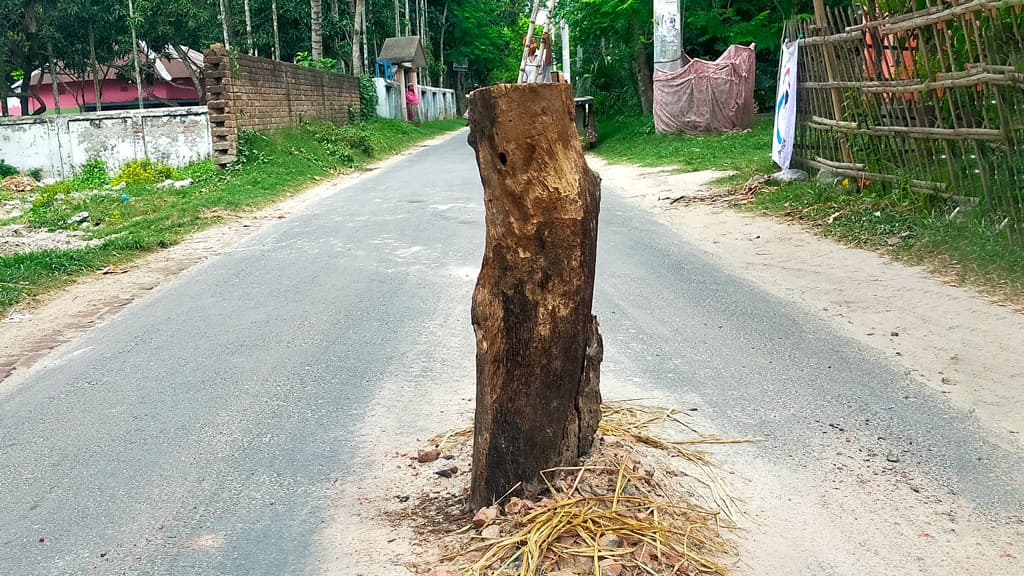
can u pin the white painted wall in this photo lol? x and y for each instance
(57, 145)
(435, 103)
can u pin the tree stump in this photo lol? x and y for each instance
(539, 349)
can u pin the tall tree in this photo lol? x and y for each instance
(316, 28)
(357, 36)
(248, 27)
(225, 21)
(277, 32)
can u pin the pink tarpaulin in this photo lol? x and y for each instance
(707, 97)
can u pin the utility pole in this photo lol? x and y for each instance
(668, 37)
(135, 53)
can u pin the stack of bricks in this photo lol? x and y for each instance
(249, 93)
(223, 126)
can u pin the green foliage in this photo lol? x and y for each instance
(36, 174)
(141, 172)
(367, 97)
(306, 59)
(197, 171)
(91, 175)
(6, 169)
(46, 196)
(249, 150)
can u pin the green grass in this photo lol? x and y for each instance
(632, 140)
(270, 167)
(914, 228)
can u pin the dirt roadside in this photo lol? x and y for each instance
(34, 330)
(946, 337)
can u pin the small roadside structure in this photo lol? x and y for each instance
(404, 55)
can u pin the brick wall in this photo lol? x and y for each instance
(249, 93)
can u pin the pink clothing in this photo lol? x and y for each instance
(412, 98)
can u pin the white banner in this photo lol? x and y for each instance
(785, 107)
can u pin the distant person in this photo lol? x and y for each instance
(538, 62)
(412, 102)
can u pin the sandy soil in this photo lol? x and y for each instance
(949, 338)
(33, 330)
(19, 238)
(863, 518)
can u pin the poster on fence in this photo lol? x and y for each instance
(785, 107)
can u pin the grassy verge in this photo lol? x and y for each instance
(919, 229)
(634, 141)
(142, 217)
(965, 245)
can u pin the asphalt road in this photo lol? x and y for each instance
(200, 431)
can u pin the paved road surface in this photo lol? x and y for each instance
(200, 431)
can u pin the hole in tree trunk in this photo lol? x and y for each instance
(503, 158)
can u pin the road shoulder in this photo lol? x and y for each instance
(948, 338)
(34, 333)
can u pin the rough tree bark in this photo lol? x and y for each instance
(316, 29)
(248, 28)
(277, 32)
(644, 73)
(538, 346)
(357, 35)
(94, 63)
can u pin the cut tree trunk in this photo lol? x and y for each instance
(538, 346)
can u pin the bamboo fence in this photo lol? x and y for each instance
(930, 101)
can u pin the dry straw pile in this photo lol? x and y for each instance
(641, 504)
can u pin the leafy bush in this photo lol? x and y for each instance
(342, 142)
(333, 140)
(142, 172)
(46, 196)
(306, 59)
(91, 175)
(196, 171)
(6, 169)
(367, 97)
(248, 153)
(36, 173)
